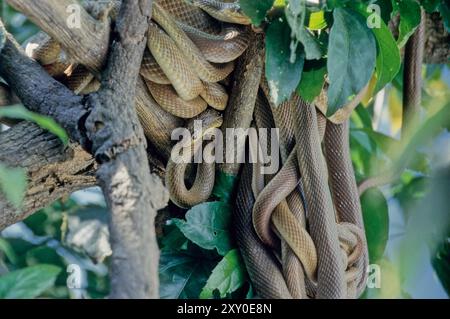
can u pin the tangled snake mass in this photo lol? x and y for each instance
(300, 230)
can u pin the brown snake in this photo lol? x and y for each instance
(300, 231)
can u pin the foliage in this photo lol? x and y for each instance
(13, 180)
(207, 225)
(33, 262)
(227, 277)
(348, 47)
(305, 46)
(28, 282)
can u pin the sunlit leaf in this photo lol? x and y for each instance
(228, 276)
(317, 21)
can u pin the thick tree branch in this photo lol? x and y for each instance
(116, 138)
(118, 142)
(53, 171)
(37, 90)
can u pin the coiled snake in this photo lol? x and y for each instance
(300, 231)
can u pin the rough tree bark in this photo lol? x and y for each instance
(106, 124)
(119, 145)
(53, 170)
(57, 28)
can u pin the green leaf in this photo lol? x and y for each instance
(182, 275)
(389, 61)
(228, 276)
(410, 16)
(444, 9)
(296, 16)
(207, 225)
(8, 251)
(376, 222)
(225, 186)
(29, 282)
(351, 58)
(44, 255)
(256, 10)
(430, 6)
(386, 9)
(47, 123)
(317, 21)
(13, 183)
(312, 82)
(282, 75)
(173, 239)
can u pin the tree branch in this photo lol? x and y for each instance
(53, 171)
(85, 40)
(37, 90)
(107, 124)
(118, 142)
(159, 124)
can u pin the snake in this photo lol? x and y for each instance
(341, 246)
(300, 231)
(200, 192)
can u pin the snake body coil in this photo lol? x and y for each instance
(300, 230)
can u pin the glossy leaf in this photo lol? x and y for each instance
(388, 61)
(256, 10)
(410, 16)
(312, 82)
(282, 75)
(182, 275)
(444, 9)
(207, 225)
(296, 16)
(351, 57)
(376, 222)
(224, 187)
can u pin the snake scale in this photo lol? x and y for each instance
(300, 230)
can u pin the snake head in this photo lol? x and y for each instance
(209, 120)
